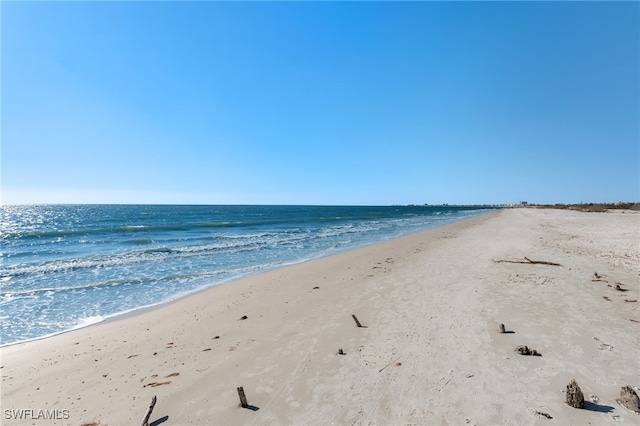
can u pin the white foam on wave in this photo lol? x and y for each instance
(85, 322)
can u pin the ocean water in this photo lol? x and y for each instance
(68, 266)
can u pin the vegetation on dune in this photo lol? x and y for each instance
(594, 207)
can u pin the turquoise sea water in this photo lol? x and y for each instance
(67, 266)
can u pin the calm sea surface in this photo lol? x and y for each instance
(67, 266)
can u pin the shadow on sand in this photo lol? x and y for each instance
(159, 421)
(598, 408)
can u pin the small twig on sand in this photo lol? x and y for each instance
(527, 261)
(446, 383)
(540, 413)
(380, 371)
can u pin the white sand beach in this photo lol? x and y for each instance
(429, 353)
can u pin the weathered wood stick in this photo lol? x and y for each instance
(356, 320)
(145, 421)
(243, 398)
(528, 261)
(445, 383)
(380, 371)
(542, 262)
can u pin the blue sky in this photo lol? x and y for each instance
(320, 103)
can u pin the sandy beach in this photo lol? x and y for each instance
(429, 351)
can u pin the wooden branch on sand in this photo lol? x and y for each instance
(145, 421)
(243, 398)
(380, 371)
(357, 322)
(528, 261)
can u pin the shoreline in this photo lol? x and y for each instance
(429, 354)
(149, 308)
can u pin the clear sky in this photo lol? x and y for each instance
(320, 103)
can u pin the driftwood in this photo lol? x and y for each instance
(540, 413)
(445, 383)
(574, 396)
(356, 320)
(145, 421)
(243, 398)
(380, 371)
(629, 399)
(528, 261)
(525, 350)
